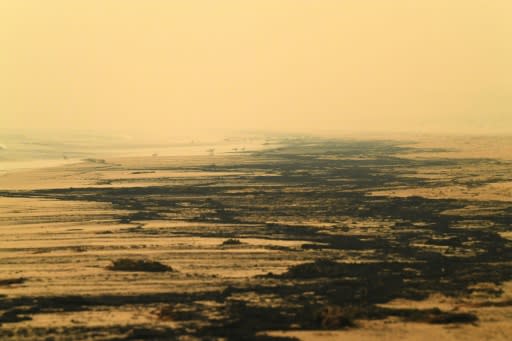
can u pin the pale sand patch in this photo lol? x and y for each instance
(392, 330)
(97, 318)
(506, 235)
(433, 301)
(462, 147)
(490, 192)
(475, 211)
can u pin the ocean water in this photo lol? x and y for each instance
(18, 151)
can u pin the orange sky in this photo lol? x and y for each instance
(292, 65)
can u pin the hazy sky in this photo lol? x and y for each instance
(172, 66)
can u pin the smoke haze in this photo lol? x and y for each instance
(174, 67)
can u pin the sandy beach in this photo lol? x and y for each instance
(256, 245)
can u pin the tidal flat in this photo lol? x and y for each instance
(307, 239)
